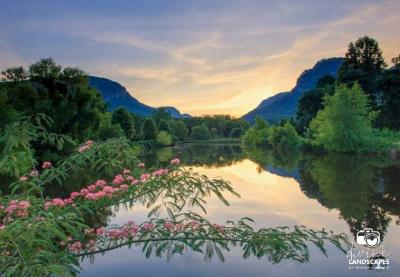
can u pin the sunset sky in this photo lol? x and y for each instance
(203, 57)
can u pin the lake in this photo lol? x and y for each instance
(342, 193)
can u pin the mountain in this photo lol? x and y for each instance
(117, 96)
(284, 104)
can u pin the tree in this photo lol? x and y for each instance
(260, 123)
(122, 117)
(149, 129)
(163, 139)
(63, 95)
(164, 126)
(15, 74)
(107, 129)
(284, 137)
(178, 129)
(160, 114)
(236, 132)
(363, 63)
(345, 122)
(200, 133)
(312, 101)
(389, 85)
(45, 69)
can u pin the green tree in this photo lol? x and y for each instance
(363, 63)
(284, 137)
(164, 126)
(149, 129)
(389, 85)
(345, 122)
(63, 95)
(312, 101)
(122, 117)
(163, 139)
(45, 69)
(260, 123)
(178, 129)
(200, 133)
(107, 129)
(213, 133)
(236, 132)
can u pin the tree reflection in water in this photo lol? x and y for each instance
(363, 188)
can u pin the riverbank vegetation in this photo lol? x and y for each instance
(358, 111)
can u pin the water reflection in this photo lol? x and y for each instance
(338, 192)
(365, 189)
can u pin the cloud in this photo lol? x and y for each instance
(206, 57)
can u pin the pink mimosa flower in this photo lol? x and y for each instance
(169, 226)
(100, 231)
(23, 178)
(46, 165)
(83, 192)
(176, 161)
(91, 188)
(74, 194)
(100, 183)
(148, 227)
(34, 172)
(141, 165)
(108, 189)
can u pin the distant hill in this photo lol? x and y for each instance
(284, 104)
(117, 96)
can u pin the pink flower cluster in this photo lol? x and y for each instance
(100, 189)
(46, 165)
(18, 208)
(160, 172)
(13, 210)
(86, 146)
(175, 161)
(129, 230)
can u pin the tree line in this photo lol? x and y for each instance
(79, 111)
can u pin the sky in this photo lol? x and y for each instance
(202, 57)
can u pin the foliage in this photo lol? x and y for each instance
(163, 125)
(281, 138)
(221, 125)
(389, 85)
(61, 94)
(284, 137)
(200, 133)
(163, 139)
(312, 101)
(178, 129)
(345, 122)
(363, 64)
(236, 133)
(107, 129)
(122, 117)
(149, 129)
(17, 154)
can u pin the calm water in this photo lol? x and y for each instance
(336, 192)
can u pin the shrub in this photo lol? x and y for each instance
(163, 139)
(345, 122)
(284, 137)
(200, 133)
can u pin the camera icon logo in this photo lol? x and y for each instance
(368, 237)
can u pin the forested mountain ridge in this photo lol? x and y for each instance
(284, 104)
(116, 95)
